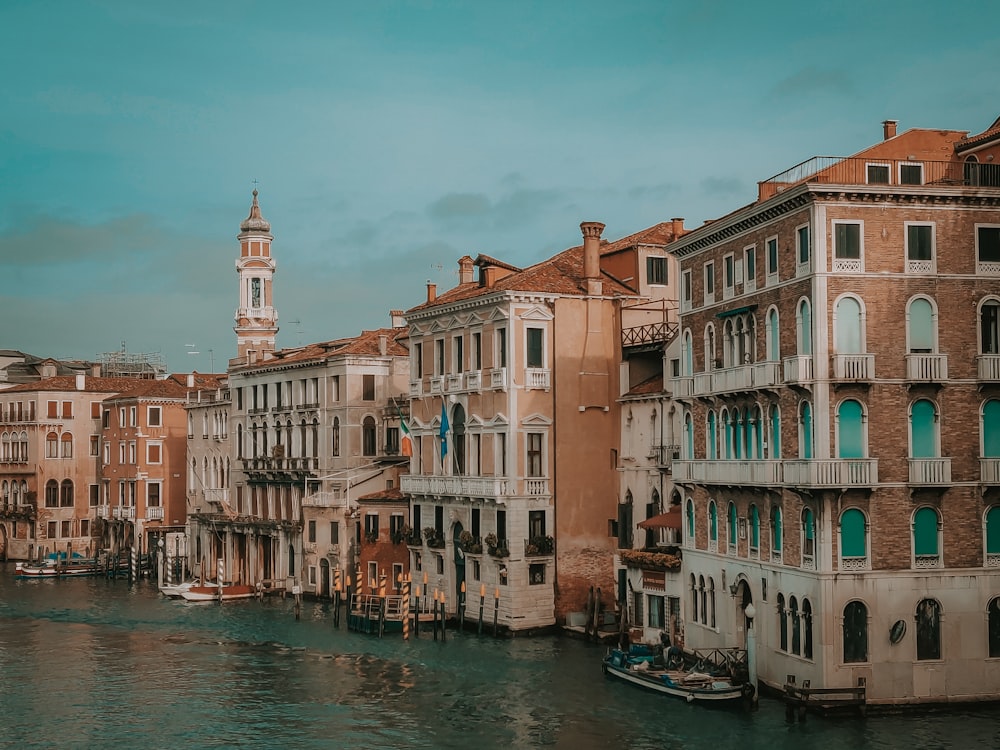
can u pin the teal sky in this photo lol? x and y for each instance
(391, 138)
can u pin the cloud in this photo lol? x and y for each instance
(459, 206)
(726, 187)
(813, 84)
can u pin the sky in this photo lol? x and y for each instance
(388, 139)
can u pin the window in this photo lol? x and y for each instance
(66, 494)
(95, 495)
(439, 357)
(773, 336)
(536, 574)
(853, 540)
(782, 624)
(704, 600)
(802, 242)
(754, 528)
(808, 537)
(878, 174)
(686, 291)
(848, 326)
(911, 174)
(133, 419)
(732, 527)
(656, 269)
(690, 522)
(923, 429)
(713, 526)
(773, 447)
(750, 268)
(807, 627)
(928, 618)
(776, 530)
(52, 445)
(919, 248)
(534, 354)
(95, 445)
(805, 431)
(534, 444)
(369, 442)
(772, 259)
(502, 525)
(52, 494)
(67, 409)
(52, 409)
(334, 437)
(334, 532)
(992, 535)
(501, 339)
(728, 276)
(335, 381)
(52, 529)
(477, 351)
(367, 387)
(709, 282)
(989, 327)
(371, 527)
(793, 613)
(847, 246)
(855, 633)
(655, 617)
(851, 441)
(153, 495)
(993, 627)
(66, 445)
(153, 416)
(988, 249)
(154, 453)
(926, 526)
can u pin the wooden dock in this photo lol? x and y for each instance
(802, 698)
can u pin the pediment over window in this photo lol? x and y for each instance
(499, 419)
(536, 313)
(536, 420)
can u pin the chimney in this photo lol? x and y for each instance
(465, 270)
(95, 369)
(190, 380)
(432, 291)
(81, 382)
(396, 316)
(677, 227)
(383, 344)
(592, 255)
(889, 129)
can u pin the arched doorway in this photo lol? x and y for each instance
(459, 563)
(3, 542)
(743, 599)
(324, 577)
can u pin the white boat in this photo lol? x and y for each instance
(212, 593)
(176, 590)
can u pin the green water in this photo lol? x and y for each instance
(92, 663)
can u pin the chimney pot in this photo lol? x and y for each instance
(190, 380)
(889, 129)
(677, 227)
(592, 254)
(465, 270)
(431, 291)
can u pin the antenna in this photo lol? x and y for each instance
(298, 330)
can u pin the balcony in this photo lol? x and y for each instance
(989, 470)
(495, 488)
(743, 378)
(799, 369)
(853, 564)
(256, 313)
(454, 382)
(218, 497)
(154, 514)
(474, 380)
(930, 472)
(537, 378)
(989, 367)
(729, 472)
(831, 472)
(926, 562)
(927, 368)
(437, 384)
(648, 335)
(857, 367)
(123, 513)
(498, 378)
(104, 511)
(682, 387)
(664, 455)
(539, 546)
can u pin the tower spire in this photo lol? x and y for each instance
(256, 317)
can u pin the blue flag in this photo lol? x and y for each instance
(444, 431)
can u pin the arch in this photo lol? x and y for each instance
(66, 498)
(688, 436)
(924, 442)
(335, 437)
(52, 494)
(690, 521)
(732, 525)
(687, 353)
(850, 429)
(369, 442)
(848, 325)
(754, 527)
(926, 528)
(773, 448)
(694, 599)
(805, 430)
(712, 443)
(808, 533)
(993, 626)
(709, 346)
(458, 439)
(921, 325)
(776, 528)
(989, 326)
(855, 632)
(711, 602)
(66, 445)
(755, 434)
(727, 427)
(991, 520)
(803, 328)
(853, 534)
(713, 523)
(991, 429)
(793, 613)
(807, 629)
(782, 623)
(703, 591)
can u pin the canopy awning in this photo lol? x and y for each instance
(736, 311)
(669, 520)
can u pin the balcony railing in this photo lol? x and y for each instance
(104, 511)
(930, 471)
(498, 378)
(474, 380)
(664, 455)
(854, 366)
(924, 562)
(989, 469)
(799, 369)
(849, 564)
(989, 367)
(682, 387)
(217, 496)
(124, 513)
(932, 368)
(808, 562)
(537, 378)
(652, 333)
(154, 514)
(749, 472)
(437, 384)
(831, 472)
(741, 378)
(454, 382)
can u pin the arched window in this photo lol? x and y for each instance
(992, 521)
(920, 326)
(926, 545)
(754, 528)
(52, 494)
(239, 441)
(782, 623)
(52, 445)
(727, 427)
(989, 327)
(803, 328)
(776, 531)
(773, 338)
(855, 633)
(807, 627)
(704, 600)
(369, 443)
(991, 429)
(709, 346)
(848, 337)
(66, 494)
(971, 170)
(850, 429)
(711, 602)
(713, 438)
(458, 439)
(713, 526)
(732, 527)
(625, 523)
(755, 436)
(805, 430)
(5, 492)
(993, 626)
(923, 429)
(928, 617)
(808, 539)
(687, 354)
(688, 436)
(694, 599)
(66, 445)
(793, 613)
(335, 437)
(853, 540)
(690, 521)
(774, 432)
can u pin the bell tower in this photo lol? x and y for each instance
(256, 318)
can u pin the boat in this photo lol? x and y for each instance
(643, 667)
(57, 566)
(175, 591)
(213, 593)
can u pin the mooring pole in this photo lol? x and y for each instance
(434, 615)
(443, 616)
(461, 607)
(482, 603)
(405, 582)
(496, 609)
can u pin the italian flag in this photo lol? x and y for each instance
(406, 442)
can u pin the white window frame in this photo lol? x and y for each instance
(803, 267)
(154, 483)
(899, 172)
(750, 280)
(150, 444)
(919, 266)
(159, 416)
(728, 275)
(133, 416)
(686, 290)
(666, 270)
(708, 276)
(987, 268)
(848, 265)
(544, 459)
(888, 172)
(772, 276)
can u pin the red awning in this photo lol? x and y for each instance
(669, 520)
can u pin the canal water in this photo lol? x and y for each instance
(95, 663)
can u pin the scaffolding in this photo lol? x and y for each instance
(125, 364)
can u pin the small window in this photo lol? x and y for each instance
(802, 239)
(536, 574)
(534, 468)
(911, 174)
(878, 174)
(919, 247)
(728, 274)
(368, 387)
(988, 249)
(67, 409)
(534, 354)
(710, 282)
(686, 288)
(656, 270)
(750, 268)
(153, 495)
(847, 241)
(154, 453)
(772, 256)
(153, 416)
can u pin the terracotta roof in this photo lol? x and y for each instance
(395, 494)
(560, 274)
(367, 343)
(659, 234)
(647, 387)
(969, 141)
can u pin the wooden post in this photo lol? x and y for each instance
(461, 607)
(482, 603)
(443, 617)
(434, 615)
(221, 573)
(336, 598)
(416, 612)
(496, 609)
(589, 613)
(406, 606)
